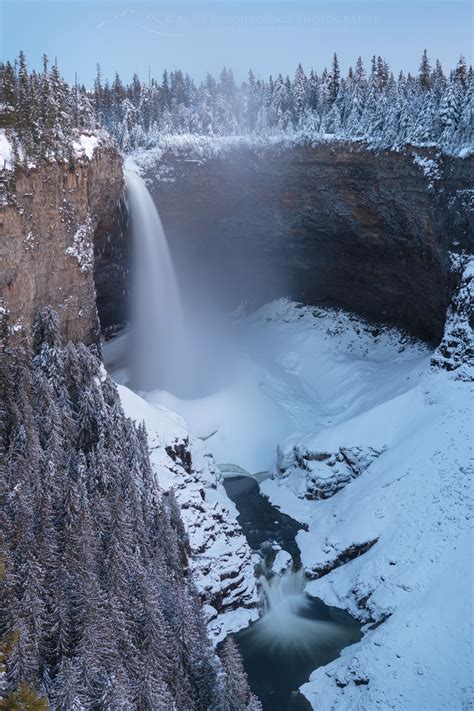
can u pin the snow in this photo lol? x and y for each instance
(415, 501)
(393, 545)
(430, 168)
(6, 155)
(221, 559)
(199, 147)
(85, 145)
(300, 368)
(282, 562)
(82, 248)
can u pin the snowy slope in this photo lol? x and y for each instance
(84, 145)
(6, 154)
(221, 558)
(300, 368)
(411, 512)
(336, 407)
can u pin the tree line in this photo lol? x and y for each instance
(429, 108)
(98, 606)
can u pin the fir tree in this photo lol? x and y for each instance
(237, 693)
(424, 74)
(97, 598)
(334, 80)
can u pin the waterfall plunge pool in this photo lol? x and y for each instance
(296, 634)
(176, 361)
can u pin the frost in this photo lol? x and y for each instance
(82, 248)
(455, 353)
(16, 327)
(6, 154)
(29, 242)
(430, 168)
(221, 559)
(85, 145)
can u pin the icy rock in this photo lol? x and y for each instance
(456, 350)
(221, 559)
(283, 561)
(319, 475)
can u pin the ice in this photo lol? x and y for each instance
(321, 380)
(6, 156)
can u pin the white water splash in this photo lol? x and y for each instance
(287, 622)
(161, 353)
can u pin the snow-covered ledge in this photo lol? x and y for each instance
(393, 547)
(221, 559)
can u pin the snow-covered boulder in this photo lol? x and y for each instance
(315, 474)
(282, 562)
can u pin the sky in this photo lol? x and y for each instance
(269, 36)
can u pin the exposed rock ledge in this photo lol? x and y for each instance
(221, 559)
(319, 475)
(53, 218)
(327, 224)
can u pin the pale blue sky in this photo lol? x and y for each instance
(270, 36)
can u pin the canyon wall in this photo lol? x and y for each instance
(52, 219)
(330, 224)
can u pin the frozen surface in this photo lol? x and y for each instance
(221, 558)
(391, 544)
(86, 145)
(5, 151)
(299, 370)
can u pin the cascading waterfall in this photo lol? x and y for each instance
(161, 352)
(296, 633)
(286, 622)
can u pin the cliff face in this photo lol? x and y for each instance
(325, 224)
(51, 219)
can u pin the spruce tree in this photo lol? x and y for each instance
(424, 74)
(334, 80)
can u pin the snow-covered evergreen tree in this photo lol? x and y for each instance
(43, 115)
(98, 603)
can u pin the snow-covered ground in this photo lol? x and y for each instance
(6, 154)
(84, 145)
(339, 408)
(221, 559)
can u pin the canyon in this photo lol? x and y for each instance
(331, 224)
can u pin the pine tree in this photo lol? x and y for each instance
(24, 699)
(424, 74)
(461, 72)
(237, 693)
(98, 92)
(98, 598)
(334, 80)
(8, 96)
(449, 112)
(23, 108)
(299, 93)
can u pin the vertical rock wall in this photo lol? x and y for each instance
(50, 219)
(330, 223)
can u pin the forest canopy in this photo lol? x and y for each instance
(43, 114)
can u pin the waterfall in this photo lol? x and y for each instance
(282, 590)
(287, 622)
(160, 343)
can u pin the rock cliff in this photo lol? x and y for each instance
(52, 220)
(330, 224)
